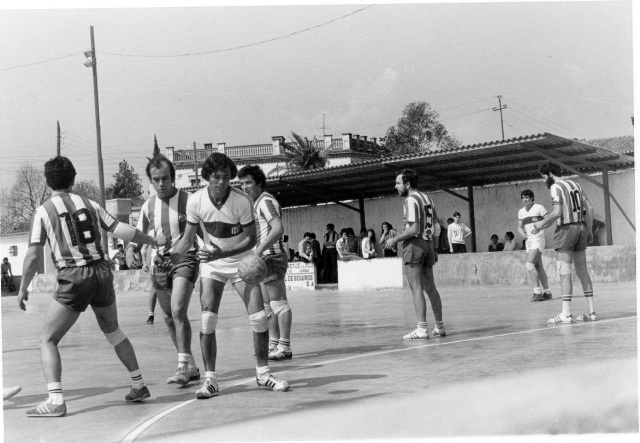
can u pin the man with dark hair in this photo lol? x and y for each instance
(509, 243)
(495, 245)
(270, 248)
(534, 244)
(7, 275)
(419, 252)
(71, 224)
(573, 214)
(227, 219)
(166, 212)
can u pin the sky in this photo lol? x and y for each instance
(241, 75)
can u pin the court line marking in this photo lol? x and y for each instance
(141, 428)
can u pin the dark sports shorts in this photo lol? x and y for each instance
(418, 251)
(276, 267)
(81, 286)
(570, 237)
(187, 267)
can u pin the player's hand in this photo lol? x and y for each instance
(161, 241)
(163, 262)
(23, 296)
(207, 255)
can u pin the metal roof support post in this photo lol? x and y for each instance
(607, 206)
(363, 224)
(472, 218)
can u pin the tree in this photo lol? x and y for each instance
(20, 202)
(88, 189)
(127, 184)
(156, 150)
(418, 130)
(304, 154)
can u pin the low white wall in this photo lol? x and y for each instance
(380, 273)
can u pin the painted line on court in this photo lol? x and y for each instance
(141, 428)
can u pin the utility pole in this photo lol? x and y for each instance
(500, 108)
(323, 126)
(58, 138)
(91, 63)
(195, 162)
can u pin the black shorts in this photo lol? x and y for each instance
(418, 251)
(81, 286)
(188, 267)
(276, 267)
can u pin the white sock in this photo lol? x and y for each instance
(422, 325)
(183, 359)
(55, 393)
(212, 375)
(136, 379)
(537, 290)
(262, 371)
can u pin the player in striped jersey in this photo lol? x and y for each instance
(71, 224)
(225, 215)
(573, 214)
(274, 291)
(421, 227)
(534, 243)
(166, 212)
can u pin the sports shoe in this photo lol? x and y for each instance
(560, 319)
(272, 347)
(184, 375)
(47, 409)
(536, 297)
(272, 383)
(150, 320)
(587, 317)
(439, 332)
(209, 389)
(138, 394)
(279, 354)
(417, 334)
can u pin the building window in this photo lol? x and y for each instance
(13, 250)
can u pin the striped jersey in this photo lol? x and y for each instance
(534, 214)
(266, 209)
(419, 208)
(222, 224)
(569, 194)
(71, 224)
(165, 216)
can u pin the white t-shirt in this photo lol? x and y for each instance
(528, 218)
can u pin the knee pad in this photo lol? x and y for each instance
(529, 266)
(259, 321)
(280, 307)
(267, 310)
(563, 268)
(116, 337)
(209, 322)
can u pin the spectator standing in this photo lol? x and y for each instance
(7, 275)
(133, 257)
(317, 255)
(369, 245)
(444, 246)
(495, 246)
(330, 256)
(120, 259)
(387, 233)
(456, 234)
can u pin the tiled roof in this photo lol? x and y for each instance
(621, 145)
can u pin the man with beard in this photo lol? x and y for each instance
(420, 227)
(573, 214)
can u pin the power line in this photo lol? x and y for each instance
(41, 62)
(248, 45)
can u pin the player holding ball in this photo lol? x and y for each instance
(228, 224)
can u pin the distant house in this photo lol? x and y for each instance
(621, 145)
(349, 148)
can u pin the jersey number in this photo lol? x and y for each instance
(428, 214)
(575, 201)
(82, 223)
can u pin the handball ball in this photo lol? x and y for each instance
(252, 269)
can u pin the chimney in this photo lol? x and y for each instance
(222, 147)
(169, 153)
(278, 144)
(346, 140)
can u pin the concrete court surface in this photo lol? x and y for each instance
(500, 371)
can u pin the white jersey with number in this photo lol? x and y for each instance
(223, 224)
(528, 218)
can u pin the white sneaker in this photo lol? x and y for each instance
(272, 383)
(439, 332)
(209, 389)
(560, 319)
(417, 334)
(587, 317)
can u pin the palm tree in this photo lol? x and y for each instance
(304, 154)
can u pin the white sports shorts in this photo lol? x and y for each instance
(535, 243)
(224, 269)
